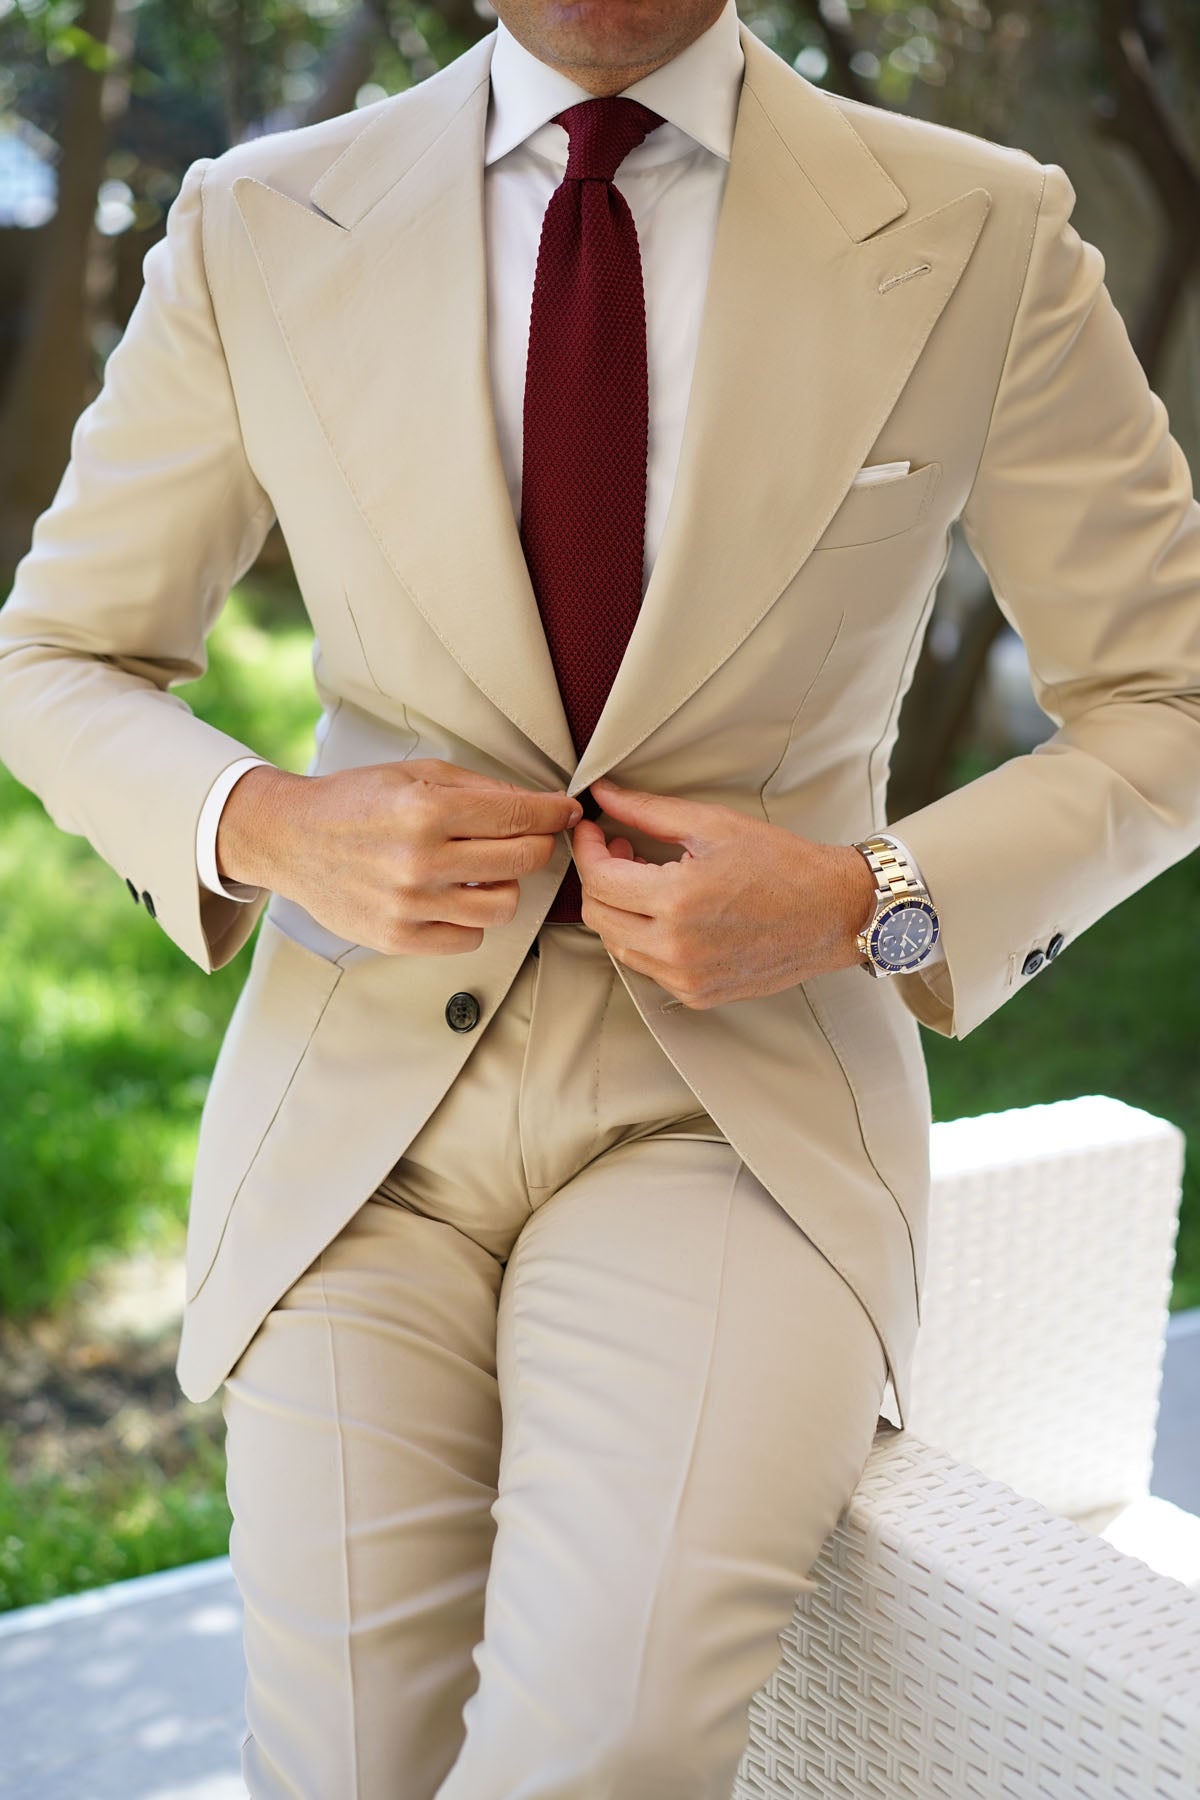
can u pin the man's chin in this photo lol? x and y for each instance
(601, 35)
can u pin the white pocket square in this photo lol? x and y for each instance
(880, 472)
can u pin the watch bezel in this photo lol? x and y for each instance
(898, 903)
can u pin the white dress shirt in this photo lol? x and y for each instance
(673, 182)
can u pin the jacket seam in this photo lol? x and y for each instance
(1012, 332)
(218, 334)
(763, 801)
(825, 1027)
(915, 639)
(301, 1054)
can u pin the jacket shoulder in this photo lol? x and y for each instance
(932, 163)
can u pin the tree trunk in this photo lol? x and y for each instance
(346, 66)
(53, 376)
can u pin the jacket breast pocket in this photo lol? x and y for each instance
(279, 1008)
(881, 509)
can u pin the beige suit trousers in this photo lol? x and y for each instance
(530, 1465)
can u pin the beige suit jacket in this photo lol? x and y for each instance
(311, 345)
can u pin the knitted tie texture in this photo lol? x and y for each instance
(583, 460)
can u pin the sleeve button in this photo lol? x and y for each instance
(135, 896)
(1033, 962)
(462, 1012)
(1054, 946)
(148, 903)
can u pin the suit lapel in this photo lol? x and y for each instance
(382, 297)
(799, 362)
(379, 283)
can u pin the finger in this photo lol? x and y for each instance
(621, 846)
(498, 811)
(437, 939)
(447, 774)
(474, 907)
(637, 887)
(631, 957)
(610, 922)
(663, 816)
(494, 859)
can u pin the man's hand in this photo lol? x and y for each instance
(382, 855)
(749, 908)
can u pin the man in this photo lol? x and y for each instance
(612, 1130)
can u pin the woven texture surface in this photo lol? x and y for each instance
(1047, 1286)
(585, 421)
(964, 1642)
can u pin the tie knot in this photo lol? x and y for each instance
(602, 132)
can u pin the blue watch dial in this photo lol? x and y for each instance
(904, 934)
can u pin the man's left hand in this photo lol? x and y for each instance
(749, 908)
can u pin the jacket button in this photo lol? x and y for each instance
(1054, 946)
(148, 903)
(462, 1012)
(136, 897)
(1033, 962)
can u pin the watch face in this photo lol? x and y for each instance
(904, 934)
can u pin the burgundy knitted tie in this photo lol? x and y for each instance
(583, 473)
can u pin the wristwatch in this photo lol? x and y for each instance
(904, 926)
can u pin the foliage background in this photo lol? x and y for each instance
(107, 1033)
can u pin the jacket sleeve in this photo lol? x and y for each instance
(156, 517)
(1083, 516)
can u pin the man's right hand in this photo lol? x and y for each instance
(380, 854)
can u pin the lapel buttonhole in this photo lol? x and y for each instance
(917, 269)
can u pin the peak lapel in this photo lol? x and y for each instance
(380, 289)
(379, 283)
(803, 350)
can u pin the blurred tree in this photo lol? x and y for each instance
(190, 77)
(132, 91)
(46, 390)
(1141, 49)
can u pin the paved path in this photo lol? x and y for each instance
(134, 1692)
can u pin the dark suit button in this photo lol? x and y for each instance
(133, 891)
(1033, 962)
(462, 1012)
(1054, 946)
(148, 903)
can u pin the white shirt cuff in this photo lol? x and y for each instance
(937, 954)
(206, 831)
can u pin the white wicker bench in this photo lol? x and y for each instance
(974, 1634)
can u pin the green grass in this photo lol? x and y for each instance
(111, 1032)
(62, 1535)
(110, 1035)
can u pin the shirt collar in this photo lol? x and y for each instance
(697, 91)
